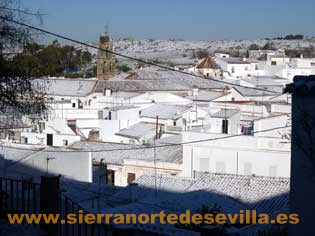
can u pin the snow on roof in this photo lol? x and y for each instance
(66, 87)
(125, 95)
(225, 113)
(231, 193)
(140, 85)
(153, 79)
(138, 130)
(252, 92)
(264, 81)
(206, 96)
(119, 108)
(238, 60)
(252, 191)
(165, 111)
(175, 139)
(170, 154)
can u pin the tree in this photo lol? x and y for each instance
(123, 68)
(18, 94)
(268, 46)
(253, 46)
(201, 54)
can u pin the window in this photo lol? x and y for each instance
(256, 67)
(248, 168)
(233, 69)
(225, 126)
(273, 63)
(109, 115)
(174, 122)
(208, 75)
(131, 177)
(204, 164)
(49, 139)
(65, 142)
(100, 115)
(110, 177)
(24, 140)
(220, 167)
(73, 105)
(233, 99)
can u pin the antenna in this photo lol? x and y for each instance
(106, 29)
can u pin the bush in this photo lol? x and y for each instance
(123, 68)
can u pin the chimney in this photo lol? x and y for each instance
(302, 182)
(195, 91)
(108, 92)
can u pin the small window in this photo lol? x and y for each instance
(233, 99)
(174, 122)
(24, 140)
(131, 177)
(225, 126)
(233, 69)
(65, 142)
(273, 63)
(208, 75)
(73, 105)
(110, 177)
(109, 115)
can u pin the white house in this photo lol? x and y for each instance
(239, 67)
(241, 155)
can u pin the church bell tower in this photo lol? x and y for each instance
(105, 61)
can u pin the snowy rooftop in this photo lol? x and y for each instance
(164, 111)
(66, 87)
(138, 130)
(205, 96)
(231, 193)
(265, 81)
(252, 92)
(237, 60)
(115, 153)
(153, 79)
(225, 113)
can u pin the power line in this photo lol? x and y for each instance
(129, 57)
(22, 11)
(143, 147)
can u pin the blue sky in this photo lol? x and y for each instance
(181, 19)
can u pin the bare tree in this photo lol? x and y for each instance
(18, 94)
